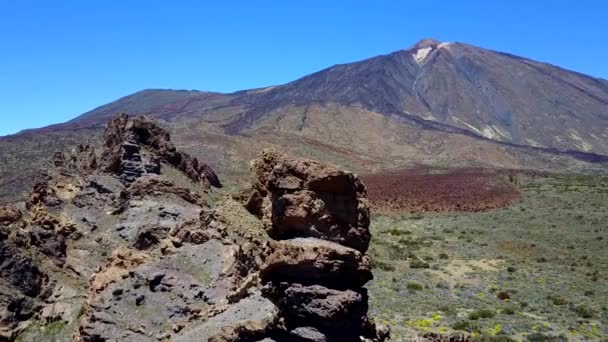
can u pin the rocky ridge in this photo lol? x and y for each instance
(124, 245)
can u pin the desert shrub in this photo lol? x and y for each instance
(511, 269)
(381, 264)
(497, 338)
(398, 232)
(442, 285)
(443, 256)
(584, 311)
(538, 337)
(541, 259)
(558, 300)
(503, 295)
(467, 326)
(414, 286)
(508, 311)
(448, 310)
(416, 262)
(481, 313)
(589, 293)
(397, 252)
(462, 326)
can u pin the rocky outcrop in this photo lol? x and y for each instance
(122, 247)
(9, 215)
(137, 146)
(315, 273)
(23, 287)
(305, 198)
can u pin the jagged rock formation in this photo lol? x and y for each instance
(137, 146)
(124, 245)
(317, 268)
(304, 198)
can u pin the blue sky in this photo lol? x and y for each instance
(59, 59)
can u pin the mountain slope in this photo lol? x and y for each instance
(491, 94)
(434, 103)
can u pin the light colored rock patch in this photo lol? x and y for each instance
(495, 133)
(264, 90)
(579, 142)
(429, 116)
(254, 310)
(532, 142)
(421, 54)
(469, 126)
(461, 271)
(444, 45)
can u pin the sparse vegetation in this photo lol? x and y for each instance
(414, 286)
(481, 313)
(540, 272)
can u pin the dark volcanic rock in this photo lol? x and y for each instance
(304, 198)
(22, 287)
(9, 215)
(137, 146)
(314, 261)
(316, 271)
(332, 311)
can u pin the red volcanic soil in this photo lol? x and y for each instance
(425, 190)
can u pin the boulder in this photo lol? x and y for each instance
(305, 198)
(314, 261)
(9, 215)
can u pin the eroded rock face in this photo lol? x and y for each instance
(23, 287)
(314, 261)
(114, 248)
(316, 269)
(305, 198)
(137, 146)
(9, 215)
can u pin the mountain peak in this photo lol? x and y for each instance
(425, 43)
(423, 48)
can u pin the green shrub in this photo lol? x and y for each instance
(584, 311)
(538, 337)
(508, 311)
(462, 326)
(398, 232)
(383, 265)
(414, 286)
(558, 300)
(503, 295)
(416, 262)
(481, 313)
(497, 338)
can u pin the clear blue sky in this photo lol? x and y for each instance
(59, 59)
